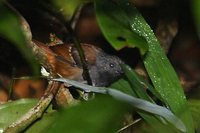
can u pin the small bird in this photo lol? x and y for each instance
(64, 61)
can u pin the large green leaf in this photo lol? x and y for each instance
(10, 29)
(114, 24)
(101, 115)
(11, 111)
(160, 70)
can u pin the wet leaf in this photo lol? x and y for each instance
(161, 72)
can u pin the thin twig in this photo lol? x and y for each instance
(71, 27)
(11, 84)
(86, 74)
(129, 125)
(75, 17)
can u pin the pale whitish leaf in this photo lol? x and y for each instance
(135, 102)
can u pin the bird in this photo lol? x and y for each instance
(63, 60)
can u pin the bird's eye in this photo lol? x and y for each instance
(111, 65)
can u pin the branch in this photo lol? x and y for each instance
(35, 112)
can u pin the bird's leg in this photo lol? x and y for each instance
(64, 98)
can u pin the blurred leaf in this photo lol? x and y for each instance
(114, 24)
(196, 12)
(124, 86)
(10, 29)
(68, 7)
(101, 115)
(195, 109)
(11, 111)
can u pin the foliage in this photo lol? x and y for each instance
(10, 29)
(123, 26)
(163, 77)
(103, 114)
(196, 12)
(114, 23)
(13, 110)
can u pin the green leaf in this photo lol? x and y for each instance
(10, 29)
(43, 125)
(194, 105)
(159, 68)
(196, 12)
(152, 120)
(11, 111)
(137, 86)
(156, 63)
(68, 7)
(101, 115)
(114, 24)
(135, 83)
(123, 86)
